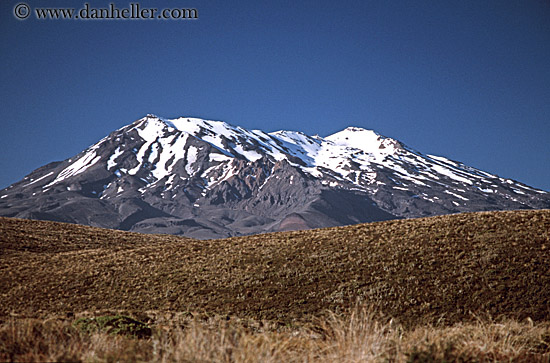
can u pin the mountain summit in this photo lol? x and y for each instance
(209, 179)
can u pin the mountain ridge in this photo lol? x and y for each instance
(209, 179)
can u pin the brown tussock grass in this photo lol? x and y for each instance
(357, 337)
(460, 288)
(439, 269)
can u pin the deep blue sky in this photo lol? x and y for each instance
(469, 80)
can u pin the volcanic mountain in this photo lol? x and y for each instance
(208, 179)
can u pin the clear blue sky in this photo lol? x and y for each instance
(469, 80)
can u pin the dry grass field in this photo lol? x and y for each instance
(357, 337)
(466, 287)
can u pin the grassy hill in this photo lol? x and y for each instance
(443, 269)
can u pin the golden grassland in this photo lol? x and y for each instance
(466, 287)
(355, 337)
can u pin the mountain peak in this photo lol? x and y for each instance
(368, 141)
(357, 129)
(355, 132)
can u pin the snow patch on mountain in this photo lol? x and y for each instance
(33, 181)
(111, 163)
(77, 167)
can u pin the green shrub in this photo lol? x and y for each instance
(115, 325)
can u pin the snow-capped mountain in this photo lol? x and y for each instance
(209, 179)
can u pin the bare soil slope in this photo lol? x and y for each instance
(418, 270)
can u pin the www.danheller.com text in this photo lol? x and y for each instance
(87, 12)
